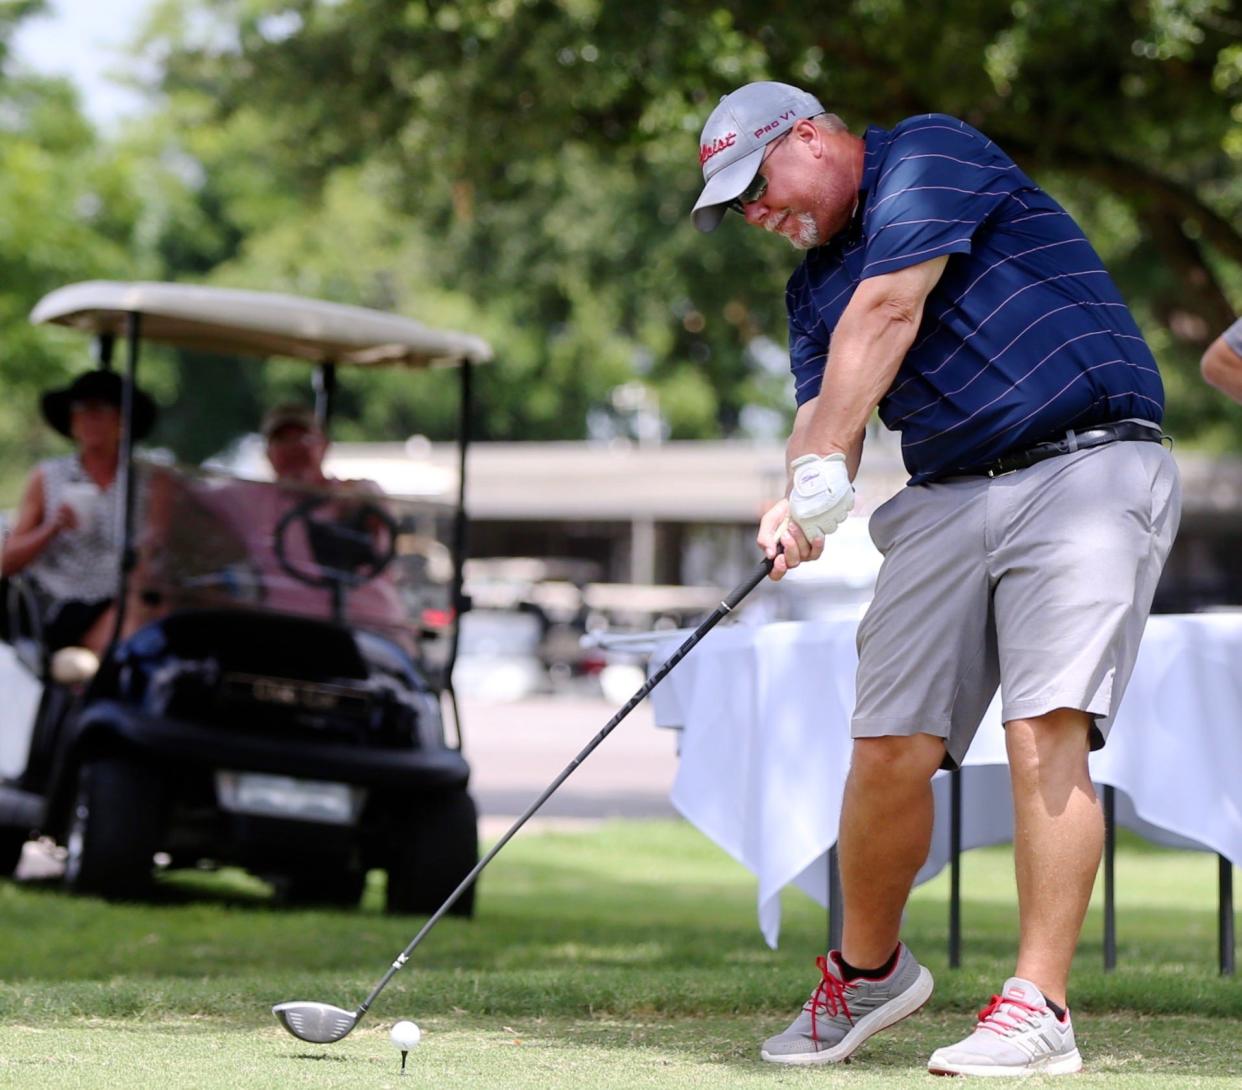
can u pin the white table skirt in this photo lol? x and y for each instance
(764, 714)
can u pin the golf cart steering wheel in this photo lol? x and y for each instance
(344, 551)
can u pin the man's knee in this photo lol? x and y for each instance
(1049, 750)
(1064, 733)
(896, 759)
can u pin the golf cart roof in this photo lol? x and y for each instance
(231, 321)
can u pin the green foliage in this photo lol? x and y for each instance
(68, 211)
(524, 169)
(540, 159)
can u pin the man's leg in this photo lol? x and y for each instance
(886, 822)
(926, 658)
(885, 834)
(1077, 547)
(1058, 838)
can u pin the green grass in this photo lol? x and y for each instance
(627, 956)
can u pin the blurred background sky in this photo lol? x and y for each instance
(83, 39)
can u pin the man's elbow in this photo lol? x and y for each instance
(898, 311)
(1221, 367)
(1212, 374)
(897, 299)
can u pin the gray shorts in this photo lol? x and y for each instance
(1039, 580)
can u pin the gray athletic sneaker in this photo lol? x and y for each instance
(839, 1017)
(1016, 1035)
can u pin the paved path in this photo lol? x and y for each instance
(515, 750)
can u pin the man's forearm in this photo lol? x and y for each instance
(868, 345)
(866, 354)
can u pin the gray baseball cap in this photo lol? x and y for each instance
(731, 147)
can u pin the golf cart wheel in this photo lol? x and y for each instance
(339, 888)
(113, 829)
(436, 848)
(11, 842)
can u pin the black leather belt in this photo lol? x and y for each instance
(1097, 436)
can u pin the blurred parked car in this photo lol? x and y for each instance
(498, 655)
(523, 633)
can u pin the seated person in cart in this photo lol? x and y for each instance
(67, 537)
(305, 543)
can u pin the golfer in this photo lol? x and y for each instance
(943, 286)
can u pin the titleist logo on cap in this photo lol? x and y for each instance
(706, 151)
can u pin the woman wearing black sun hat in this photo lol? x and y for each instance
(67, 536)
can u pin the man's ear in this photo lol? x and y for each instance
(810, 134)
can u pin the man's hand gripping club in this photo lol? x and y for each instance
(819, 500)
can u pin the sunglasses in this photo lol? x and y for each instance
(758, 184)
(757, 188)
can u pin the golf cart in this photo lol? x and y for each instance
(263, 701)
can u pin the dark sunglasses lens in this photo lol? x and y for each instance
(757, 188)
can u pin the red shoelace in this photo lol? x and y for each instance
(828, 997)
(995, 1018)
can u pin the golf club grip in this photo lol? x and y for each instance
(727, 606)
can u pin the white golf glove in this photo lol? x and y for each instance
(822, 494)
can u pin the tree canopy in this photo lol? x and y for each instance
(524, 169)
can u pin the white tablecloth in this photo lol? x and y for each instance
(764, 713)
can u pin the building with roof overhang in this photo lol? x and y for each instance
(686, 512)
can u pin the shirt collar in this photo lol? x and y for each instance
(875, 140)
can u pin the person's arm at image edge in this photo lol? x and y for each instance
(31, 532)
(1221, 367)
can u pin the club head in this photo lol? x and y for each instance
(319, 1023)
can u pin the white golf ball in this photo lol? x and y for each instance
(405, 1035)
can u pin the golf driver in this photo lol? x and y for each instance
(322, 1023)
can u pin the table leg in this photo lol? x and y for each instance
(1110, 844)
(955, 868)
(1225, 915)
(835, 906)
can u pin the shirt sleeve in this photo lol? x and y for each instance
(1233, 336)
(808, 350)
(939, 181)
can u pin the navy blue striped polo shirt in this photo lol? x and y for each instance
(1024, 336)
